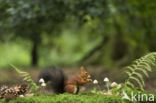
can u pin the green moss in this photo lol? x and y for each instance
(68, 98)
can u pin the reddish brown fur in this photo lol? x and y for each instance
(73, 82)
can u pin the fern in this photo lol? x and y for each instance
(26, 77)
(139, 69)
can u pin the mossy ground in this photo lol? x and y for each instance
(69, 98)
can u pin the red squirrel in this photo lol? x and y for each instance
(60, 83)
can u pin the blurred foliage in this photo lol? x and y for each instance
(67, 32)
(14, 52)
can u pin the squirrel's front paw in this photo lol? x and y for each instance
(90, 80)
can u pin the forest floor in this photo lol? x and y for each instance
(68, 98)
(11, 77)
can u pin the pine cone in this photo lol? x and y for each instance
(13, 92)
(10, 93)
(2, 91)
(21, 89)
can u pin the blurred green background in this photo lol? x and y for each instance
(108, 33)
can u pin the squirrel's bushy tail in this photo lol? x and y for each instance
(55, 76)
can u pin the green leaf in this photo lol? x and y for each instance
(137, 80)
(146, 65)
(140, 77)
(130, 68)
(129, 74)
(25, 75)
(144, 71)
(26, 78)
(130, 84)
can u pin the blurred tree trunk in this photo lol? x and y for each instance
(34, 53)
(120, 46)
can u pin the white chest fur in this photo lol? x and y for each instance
(75, 89)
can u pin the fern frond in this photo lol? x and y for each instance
(140, 77)
(128, 83)
(146, 65)
(140, 68)
(143, 71)
(137, 80)
(130, 68)
(26, 77)
(128, 73)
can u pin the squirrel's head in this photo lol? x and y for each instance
(84, 74)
